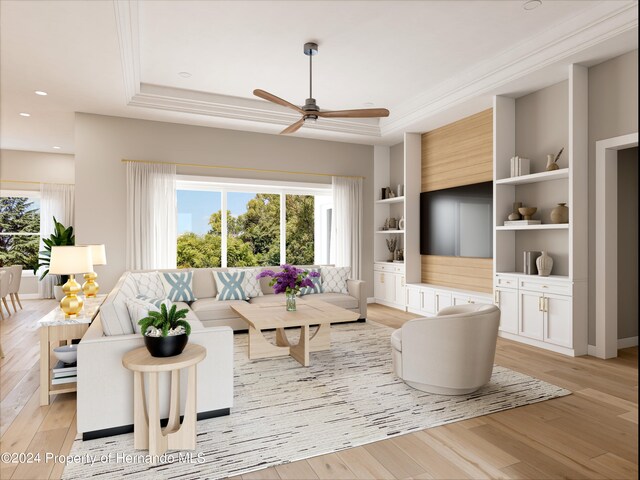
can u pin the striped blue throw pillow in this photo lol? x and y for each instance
(229, 285)
(177, 285)
(317, 284)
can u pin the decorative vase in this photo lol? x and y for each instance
(560, 214)
(291, 302)
(551, 164)
(168, 346)
(57, 292)
(527, 212)
(401, 223)
(545, 264)
(515, 215)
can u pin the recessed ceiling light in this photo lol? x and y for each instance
(25, 114)
(40, 92)
(56, 147)
(367, 104)
(184, 74)
(531, 4)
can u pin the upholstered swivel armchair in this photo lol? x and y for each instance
(450, 354)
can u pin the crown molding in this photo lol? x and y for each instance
(600, 23)
(549, 47)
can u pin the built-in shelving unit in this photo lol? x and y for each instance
(548, 312)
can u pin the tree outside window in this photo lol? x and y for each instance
(19, 231)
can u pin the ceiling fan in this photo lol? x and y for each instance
(310, 111)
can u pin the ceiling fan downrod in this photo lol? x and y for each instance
(310, 49)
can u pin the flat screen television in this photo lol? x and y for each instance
(457, 221)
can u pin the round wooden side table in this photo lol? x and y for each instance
(147, 432)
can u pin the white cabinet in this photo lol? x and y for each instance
(389, 284)
(507, 301)
(538, 309)
(428, 300)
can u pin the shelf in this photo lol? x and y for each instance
(543, 226)
(391, 200)
(389, 231)
(563, 278)
(535, 177)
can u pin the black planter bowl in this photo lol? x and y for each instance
(166, 346)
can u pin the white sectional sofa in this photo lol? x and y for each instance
(105, 387)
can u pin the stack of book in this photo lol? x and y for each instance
(522, 222)
(520, 166)
(64, 373)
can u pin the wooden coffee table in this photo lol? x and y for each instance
(264, 316)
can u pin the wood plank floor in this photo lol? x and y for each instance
(590, 434)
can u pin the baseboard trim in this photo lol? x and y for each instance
(627, 342)
(371, 300)
(591, 350)
(29, 296)
(110, 432)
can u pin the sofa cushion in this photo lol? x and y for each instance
(155, 301)
(317, 284)
(178, 286)
(334, 279)
(338, 299)
(251, 284)
(113, 312)
(203, 284)
(229, 285)
(212, 309)
(149, 284)
(396, 339)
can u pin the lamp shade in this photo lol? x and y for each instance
(70, 260)
(98, 254)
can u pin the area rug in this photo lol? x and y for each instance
(284, 412)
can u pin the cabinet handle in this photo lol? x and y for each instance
(422, 300)
(382, 278)
(402, 281)
(437, 302)
(496, 297)
(540, 307)
(546, 304)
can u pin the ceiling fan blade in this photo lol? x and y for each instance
(293, 128)
(272, 98)
(362, 113)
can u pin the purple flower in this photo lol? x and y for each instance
(290, 279)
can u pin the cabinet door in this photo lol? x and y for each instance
(442, 300)
(507, 302)
(401, 296)
(378, 285)
(558, 324)
(390, 280)
(414, 300)
(458, 299)
(429, 301)
(531, 315)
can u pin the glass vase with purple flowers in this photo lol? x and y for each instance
(289, 281)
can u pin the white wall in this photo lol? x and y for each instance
(102, 142)
(26, 166)
(613, 111)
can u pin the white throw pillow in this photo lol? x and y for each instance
(150, 284)
(139, 309)
(250, 284)
(334, 279)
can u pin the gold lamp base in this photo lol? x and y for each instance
(90, 287)
(71, 305)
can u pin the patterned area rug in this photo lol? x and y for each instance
(284, 412)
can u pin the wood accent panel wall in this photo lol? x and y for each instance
(465, 273)
(457, 154)
(460, 153)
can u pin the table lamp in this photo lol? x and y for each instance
(99, 257)
(69, 261)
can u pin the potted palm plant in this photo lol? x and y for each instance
(165, 332)
(61, 237)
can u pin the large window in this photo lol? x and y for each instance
(265, 225)
(19, 229)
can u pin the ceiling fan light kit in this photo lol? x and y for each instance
(310, 111)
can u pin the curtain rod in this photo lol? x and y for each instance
(245, 169)
(34, 183)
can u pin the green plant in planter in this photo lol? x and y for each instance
(61, 237)
(166, 320)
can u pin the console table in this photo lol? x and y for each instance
(55, 330)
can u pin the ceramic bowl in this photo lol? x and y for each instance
(67, 353)
(527, 212)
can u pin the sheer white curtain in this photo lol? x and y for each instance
(347, 224)
(55, 201)
(151, 216)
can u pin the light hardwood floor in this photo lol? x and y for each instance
(589, 434)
